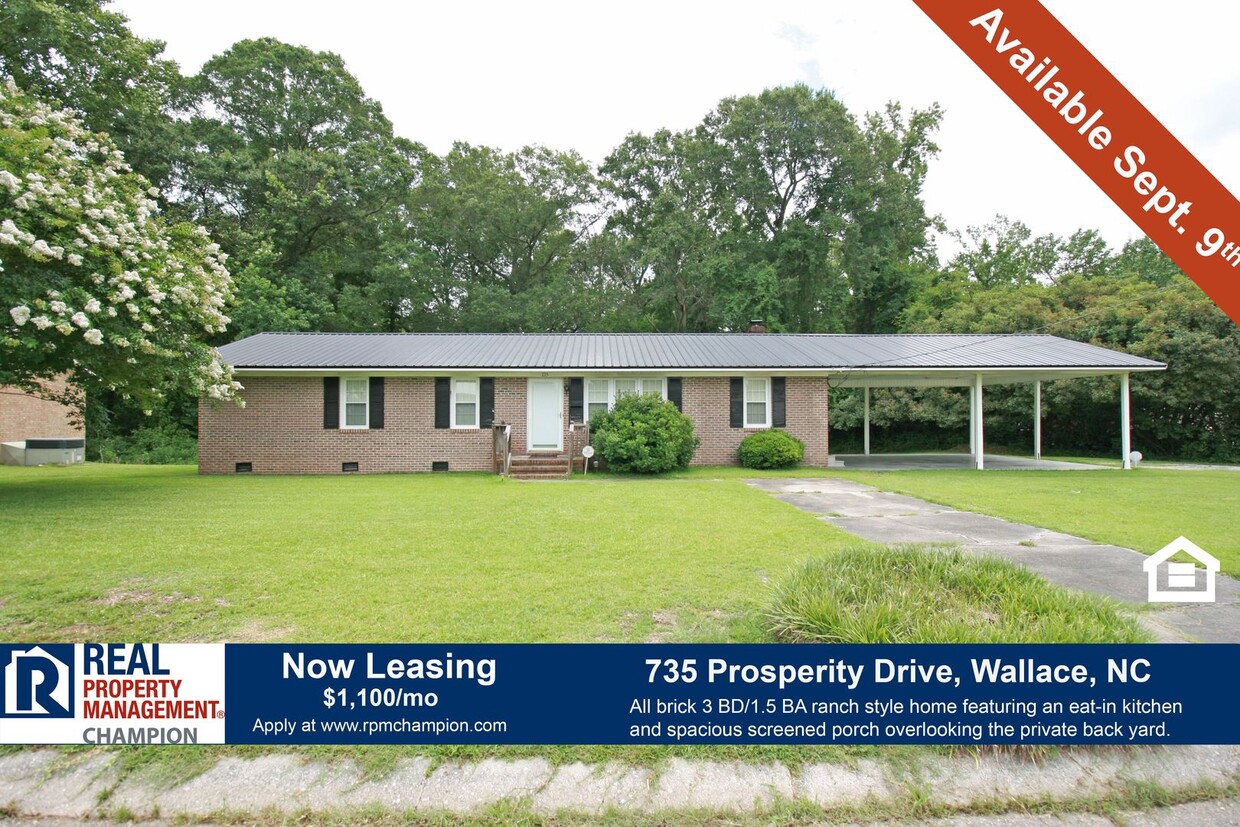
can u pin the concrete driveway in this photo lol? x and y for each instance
(1070, 561)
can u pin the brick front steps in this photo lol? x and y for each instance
(539, 467)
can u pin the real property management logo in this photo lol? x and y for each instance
(38, 681)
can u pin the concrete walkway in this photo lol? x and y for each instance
(1060, 558)
(55, 784)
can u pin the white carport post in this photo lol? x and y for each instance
(979, 448)
(866, 439)
(1037, 419)
(972, 422)
(1125, 423)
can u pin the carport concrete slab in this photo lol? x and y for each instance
(1074, 562)
(946, 462)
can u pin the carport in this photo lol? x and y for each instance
(978, 361)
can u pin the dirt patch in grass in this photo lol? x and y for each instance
(253, 631)
(664, 626)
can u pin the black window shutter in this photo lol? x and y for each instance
(576, 399)
(486, 399)
(376, 402)
(331, 401)
(443, 402)
(737, 406)
(778, 394)
(673, 392)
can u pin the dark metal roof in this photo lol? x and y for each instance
(667, 351)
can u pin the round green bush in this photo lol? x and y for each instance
(771, 449)
(643, 434)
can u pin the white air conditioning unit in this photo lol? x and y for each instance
(70, 451)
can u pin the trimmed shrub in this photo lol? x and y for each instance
(643, 434)
(771, 449)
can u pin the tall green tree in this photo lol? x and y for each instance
(81, 55)
(299, 175)
(778, 205)
(498, 232)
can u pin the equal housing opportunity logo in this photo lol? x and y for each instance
(1180, 582)
(38, 682)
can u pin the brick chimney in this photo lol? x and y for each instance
(756, 326)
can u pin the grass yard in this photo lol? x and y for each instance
(111, 552)
(134, 553)
(1144, 508)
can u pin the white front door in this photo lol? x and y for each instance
(546, 408)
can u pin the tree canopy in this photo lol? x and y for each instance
(781, 205)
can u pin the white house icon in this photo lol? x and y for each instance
(1181, 584)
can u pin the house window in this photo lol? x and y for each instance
(601, 394)
(464, 403)
(355, 402)
(757, 403)
(598, 396)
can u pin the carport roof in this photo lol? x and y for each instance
(892, 355)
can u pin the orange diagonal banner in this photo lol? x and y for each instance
(1107, 132)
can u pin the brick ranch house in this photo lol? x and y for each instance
(320, 403)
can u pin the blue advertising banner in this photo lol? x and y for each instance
(96, 693)
(729, 694)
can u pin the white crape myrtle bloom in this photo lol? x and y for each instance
(80, 220)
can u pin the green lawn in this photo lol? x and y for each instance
(109, 552)
(113, 552)
(1144, 508)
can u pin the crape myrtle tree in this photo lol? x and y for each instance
(95, 285)
(79, 55)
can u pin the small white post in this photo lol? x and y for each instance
(1037, 419)
(1125, 421)
(867, 421)
(978, 440)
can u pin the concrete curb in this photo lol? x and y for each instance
(50, 783)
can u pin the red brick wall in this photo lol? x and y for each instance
(23, 416)
(706, 401)
(281, 429)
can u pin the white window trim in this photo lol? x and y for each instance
(344, 398)
(477, 403)
(611, 389)
(766, 423)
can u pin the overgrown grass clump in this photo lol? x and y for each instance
(931, 595)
